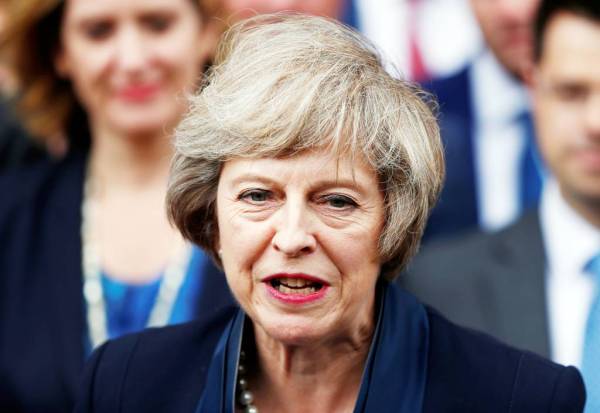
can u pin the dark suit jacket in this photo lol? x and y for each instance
(42, 319)
(491, 282)
(164, 370)
(456, 210)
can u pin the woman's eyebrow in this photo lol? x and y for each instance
(252, 177)
(347, 183)
(318, 185)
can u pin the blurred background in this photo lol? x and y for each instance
(420, 40)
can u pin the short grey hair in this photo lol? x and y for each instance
(287, 83)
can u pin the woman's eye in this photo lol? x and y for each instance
(256, 195)
(99, 30)
(339, 201)
(157, 23)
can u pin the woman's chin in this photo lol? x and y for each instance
(293, 330)
(142, 121)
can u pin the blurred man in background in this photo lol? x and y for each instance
(493, 171)
(536, 284)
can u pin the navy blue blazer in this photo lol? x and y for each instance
(42, 319)
(16, 147)
(456, 210)
(165, 370)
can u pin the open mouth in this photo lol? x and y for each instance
(295, 286)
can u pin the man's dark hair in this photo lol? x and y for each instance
(589, 9)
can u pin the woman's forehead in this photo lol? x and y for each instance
(310, 165)
(82, 9)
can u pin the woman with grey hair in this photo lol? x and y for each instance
(308, 172)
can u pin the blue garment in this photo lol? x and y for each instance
(531, 169)
(457, 208)
(128, 306)
(349, 14)
(590, 366)
(395, 373)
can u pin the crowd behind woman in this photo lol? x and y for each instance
(88, 254)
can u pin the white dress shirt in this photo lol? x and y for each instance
(570, 242)
(499, 141)
(448, 34)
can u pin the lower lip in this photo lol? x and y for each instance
(138, 93)
(296, 298)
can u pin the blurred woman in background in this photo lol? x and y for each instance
(86, 251)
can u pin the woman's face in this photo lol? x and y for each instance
(298, 239)
(130, 61)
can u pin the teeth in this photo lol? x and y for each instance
(286, 290)
(294, 282)
(299, 291)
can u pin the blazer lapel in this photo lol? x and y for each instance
(62, 267)
(518, 292)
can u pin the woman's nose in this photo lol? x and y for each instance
(293, 236)
(130, 50)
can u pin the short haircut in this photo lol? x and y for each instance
(45, 101)
(589, 9)
(286, 83)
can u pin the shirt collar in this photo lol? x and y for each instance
(569, 239)
(498, 97)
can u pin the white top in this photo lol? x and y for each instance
(499, 141)
(570, 242)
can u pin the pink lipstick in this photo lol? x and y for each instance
(138, 93)
(296, 288)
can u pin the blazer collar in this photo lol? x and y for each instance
(519, 285)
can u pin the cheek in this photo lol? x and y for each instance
(88, 61)
(241, 240)
(554, 128)
(242, 247)
(353, 254)
(88, 89)
(182, 59)
(182, 53)
(85, 72)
